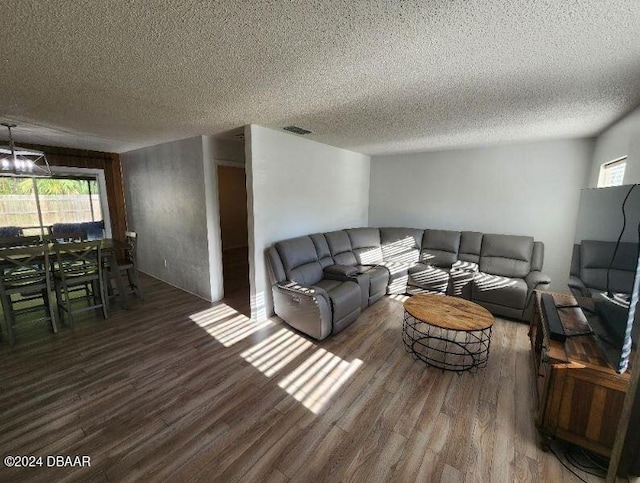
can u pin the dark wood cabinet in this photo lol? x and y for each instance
(580, 396)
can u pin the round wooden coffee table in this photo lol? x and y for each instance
(450, 333)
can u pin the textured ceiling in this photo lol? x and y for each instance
(376, 77)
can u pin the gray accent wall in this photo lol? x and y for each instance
(166, 205)
(297, 187)
(521, 189)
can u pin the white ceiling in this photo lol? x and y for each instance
(376, 77)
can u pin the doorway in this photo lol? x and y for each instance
(232, 196)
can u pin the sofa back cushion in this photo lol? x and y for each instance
(440, 247)
(595, 257)
(470, 246)
(340, 248)
(401, 245)
(322, 249)
(506, 255)
(300, 260)
(365, 243)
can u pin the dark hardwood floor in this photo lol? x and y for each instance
(178, 389)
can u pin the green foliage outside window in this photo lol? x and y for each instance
(49, 186)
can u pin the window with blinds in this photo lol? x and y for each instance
(612, 173)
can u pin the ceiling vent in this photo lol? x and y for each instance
(239, 136)
(296, 130)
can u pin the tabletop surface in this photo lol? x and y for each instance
(447, 312)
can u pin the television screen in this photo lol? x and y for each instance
(605, 277)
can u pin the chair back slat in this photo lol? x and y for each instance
(23, 265)
(80, 258)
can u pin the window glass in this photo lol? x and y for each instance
(612, 173)
(62, 200)
(18, 205)
(68, 200)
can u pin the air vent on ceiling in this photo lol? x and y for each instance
(239, 136)
(296, 129)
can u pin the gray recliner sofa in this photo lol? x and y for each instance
(322, 282)
(590, 263)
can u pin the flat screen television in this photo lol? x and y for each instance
(605, 268)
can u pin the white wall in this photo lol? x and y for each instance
(525, 189)
(621, 139)
(297, 187)
(171, 201)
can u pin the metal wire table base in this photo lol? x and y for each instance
(446, 349)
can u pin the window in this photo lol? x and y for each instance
(60, 199)
(612, 173)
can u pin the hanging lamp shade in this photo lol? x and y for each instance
(16, 161)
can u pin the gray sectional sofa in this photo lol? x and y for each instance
(590, 263)
(322, 282)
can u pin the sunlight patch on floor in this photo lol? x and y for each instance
(227, 325)
(318, 375)
(275, 352)
(317, 379)
(399, 297)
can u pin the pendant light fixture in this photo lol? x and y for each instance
(16, 161)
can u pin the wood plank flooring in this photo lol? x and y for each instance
(177, 389)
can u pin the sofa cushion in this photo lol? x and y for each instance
(340, 248)
(506, 255)
(306, 274)
(400, 250)
(460, 282)
(429, 277)
(595, 257)
(344, 296)
(365, 243)
(470, 246)
(300, 260)
(378, 278)
(398, 276)
(322, 249)
(440, 247)
(401, 245)
(494, 289)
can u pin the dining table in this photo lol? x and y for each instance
(110, 250)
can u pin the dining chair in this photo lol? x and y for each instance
(94, 229)
(10, 231)
(130, 266)
(79, 265)
(20, 241)
(68, 232)
(25, 285)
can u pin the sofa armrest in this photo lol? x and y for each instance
(576, 282)
(307, 309)
(537, 280)
(293, 288)
(340, 271)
